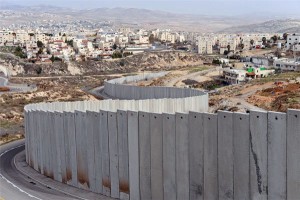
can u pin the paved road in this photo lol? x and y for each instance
(16, 186)
(3, 81)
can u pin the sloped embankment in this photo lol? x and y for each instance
(146, 61)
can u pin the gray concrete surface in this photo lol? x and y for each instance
(166, 148)
(14, 184)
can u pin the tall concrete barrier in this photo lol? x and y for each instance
(164, 149)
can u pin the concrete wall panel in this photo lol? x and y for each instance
(52, 165)
(70, 146)
(293, 155)
(156, 140)
(210, 130)
(225, 154)
(133, 155)
(123, 154)
(258, 155)
(106, 182)
(61, 144)
(113, 154)
(196, 137)
(98, 151)
(145, 155)
(81, 150)
(241, 149)
(276, 155)
(182, 156)
(90, 132)
(169, 156)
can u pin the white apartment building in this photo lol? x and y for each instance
(6, 37)
(286, 64)
(234, 76)
(139, 39)
(121, 40)
(223, 43)
(31, 49)
(125, 30)
(293, 39)
(83, 46)
(105, 45)
(166, 36)
(22, 37)
(180, 38)
(296, 47)
(109, 38)
(205, 45)
(41, 37)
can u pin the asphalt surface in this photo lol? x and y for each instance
(14, 185)
(3, 81)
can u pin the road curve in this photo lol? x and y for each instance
(14, 185)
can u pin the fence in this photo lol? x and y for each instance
(117, 88)
(165, 149)
(169, 156)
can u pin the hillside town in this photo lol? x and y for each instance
(234, 52)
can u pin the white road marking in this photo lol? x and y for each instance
(9, 182)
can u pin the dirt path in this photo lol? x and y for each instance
(247, 92)
(179, 77)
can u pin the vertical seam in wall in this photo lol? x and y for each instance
(267, 173)
(217, 153)
(286, 154)
(233, 146)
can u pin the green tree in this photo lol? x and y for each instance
(69, 42)
(151, 39)
(40, 51)
(19, 52)
(116, 54)
(38, 70)
(275, 38)
(228, 48)
(285, 36)
(115, 46)
(52, 58)
(40, 44)
(264, 40)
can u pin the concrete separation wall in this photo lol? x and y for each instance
(165, 149)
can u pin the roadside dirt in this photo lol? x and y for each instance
(278, 98)
(49, 90)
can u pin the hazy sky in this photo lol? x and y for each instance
(214, 7)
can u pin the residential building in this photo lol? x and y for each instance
(286, 64)
(234, 76)
(293, 39)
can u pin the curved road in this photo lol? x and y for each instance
(14, 185)
(3, 81)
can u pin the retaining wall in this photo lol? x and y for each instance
(165, 149)
(119, 88)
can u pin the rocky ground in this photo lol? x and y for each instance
(49, 90)
(278, 98)
(146, 61)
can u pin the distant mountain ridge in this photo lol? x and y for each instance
(272, 26)
(144, 18)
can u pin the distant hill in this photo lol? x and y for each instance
(272, 26)
(132, 17)
(144, 18)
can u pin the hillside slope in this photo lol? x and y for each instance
(146, 61)
(273, 26)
